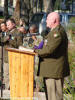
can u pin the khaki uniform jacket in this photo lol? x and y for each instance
(54, 54)
(14, 42)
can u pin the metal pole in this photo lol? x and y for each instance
(33, 3)
(36, 5)
(41, 4)
(2, 69)
(72, 6)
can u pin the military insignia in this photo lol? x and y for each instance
(45, 42)
(56, 35)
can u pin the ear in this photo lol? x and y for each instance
(54, 21)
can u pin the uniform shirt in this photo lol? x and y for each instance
(29, 42)
(13, 39)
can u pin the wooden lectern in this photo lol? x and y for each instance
(21, 68)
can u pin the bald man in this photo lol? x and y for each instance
(54, 64)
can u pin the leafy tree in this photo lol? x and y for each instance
(68, 3)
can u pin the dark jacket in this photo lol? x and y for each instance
(54, 54)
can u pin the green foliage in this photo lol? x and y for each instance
(72, 20)
(1, 17)
(68, 1)
(71, 27)
(69, 89)
(4, 99)
(40, 84)
(57, 5)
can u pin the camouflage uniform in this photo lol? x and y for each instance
(30, 43)
(25, 40)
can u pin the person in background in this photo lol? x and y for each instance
(31, 37)
(35, 38)
(13, 39)
(54, 66)
(3, 28)
(22, 26)
(2, 34)
(33, 29)
(22, 30)
(43, 34)
(33, 33)
(22, 22)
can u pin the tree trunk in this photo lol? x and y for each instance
(5, 9)
(16, 14)
(26, 11)
(45, 2)
(51, 6)
(41, 5)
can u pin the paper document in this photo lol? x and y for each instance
(25, 49)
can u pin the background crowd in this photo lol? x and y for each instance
(12, 35)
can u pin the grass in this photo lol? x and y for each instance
(69, 89)
(1, 17)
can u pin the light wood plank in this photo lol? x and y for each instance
(21, 70)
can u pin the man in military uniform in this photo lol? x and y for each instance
(12, 39)
(32, 38)
(15, 37)
(54, 64)
(2, 33)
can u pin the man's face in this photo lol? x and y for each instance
(10, 25)
(33, 30)
(3, 27)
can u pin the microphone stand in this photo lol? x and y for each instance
(2, 44)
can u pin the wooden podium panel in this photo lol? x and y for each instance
(21, 68)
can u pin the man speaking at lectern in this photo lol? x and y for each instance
(54, 64)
